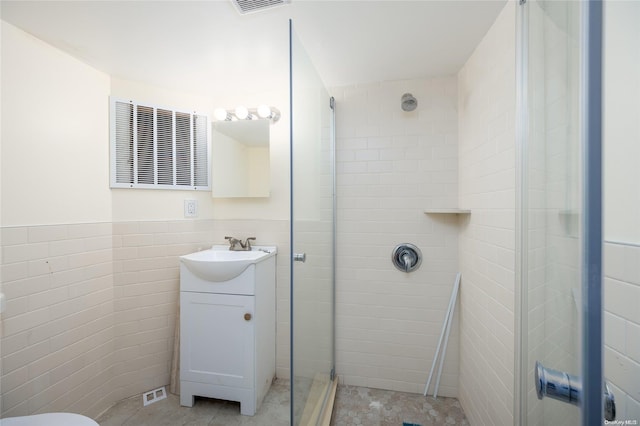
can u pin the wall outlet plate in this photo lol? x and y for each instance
(190, 208)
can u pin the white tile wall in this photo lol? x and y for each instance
(57, 331)
(622, 326)
(391, 166)
(486, 174)
(91, 308)
(146, 284)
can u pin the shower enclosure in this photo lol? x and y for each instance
(560, 226)
(312, 240)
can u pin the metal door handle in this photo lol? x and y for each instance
(300, 257)
(557, 385)
(567, 388)
(609, 403)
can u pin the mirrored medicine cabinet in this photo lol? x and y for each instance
(240, 159)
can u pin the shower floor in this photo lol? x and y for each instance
(364, 406)
(353, 406)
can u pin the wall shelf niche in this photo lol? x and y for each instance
(447, 211)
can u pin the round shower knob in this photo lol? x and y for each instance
(406, 257)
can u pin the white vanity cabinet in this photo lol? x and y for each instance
(227, 336)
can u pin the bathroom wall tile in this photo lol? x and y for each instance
(384, 317)
(48, 266)
(622, 334)
(14, 271)
(17, 396)
(47, 233)
(622, 371)
(25, 321)
(24, 252)
(632, 265)
(14, 235)
(62, 314)
(122, 228)
(88, 230)
(614, 260)
(24, 357)
(615, 332)
(622, 299)
(632, 409)
(632, 341)
(66, 247)
(14, 343)
(486, 173)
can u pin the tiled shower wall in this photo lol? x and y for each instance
(487, 237)
(91, 309)
(622, 326)
(391, 166)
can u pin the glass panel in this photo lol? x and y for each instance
(312, 222)
(551, 202)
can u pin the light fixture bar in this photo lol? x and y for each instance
(263, 112)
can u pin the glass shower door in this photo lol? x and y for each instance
(312, 240)
(558, 234)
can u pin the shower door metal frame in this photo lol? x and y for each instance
(591, 125)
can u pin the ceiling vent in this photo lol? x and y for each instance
(248, 6)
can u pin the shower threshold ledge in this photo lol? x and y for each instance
(447, 211)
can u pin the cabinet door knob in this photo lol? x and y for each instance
(247, 317)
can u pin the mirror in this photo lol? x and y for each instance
(240, 159)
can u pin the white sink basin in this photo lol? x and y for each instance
(221, 264)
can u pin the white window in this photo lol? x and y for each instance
(155, 147)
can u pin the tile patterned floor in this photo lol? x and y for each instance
(353, 406)
(274, 411)
(375, 407)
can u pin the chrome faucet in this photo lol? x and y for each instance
(247, 243)
(237, 245)
(233, 243)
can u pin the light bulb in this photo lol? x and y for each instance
(264, 111)
(220, 114)
(242, 112)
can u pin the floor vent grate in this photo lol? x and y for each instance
(154, 396)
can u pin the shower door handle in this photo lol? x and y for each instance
(567, 388)
(300, 257)
(609, 403)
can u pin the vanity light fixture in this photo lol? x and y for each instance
(242, 113)
(262, 112)
(221, 114)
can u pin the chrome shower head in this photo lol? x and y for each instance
(408, 102)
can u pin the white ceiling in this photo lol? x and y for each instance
(207, 46)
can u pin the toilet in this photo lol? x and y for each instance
(49, 419)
